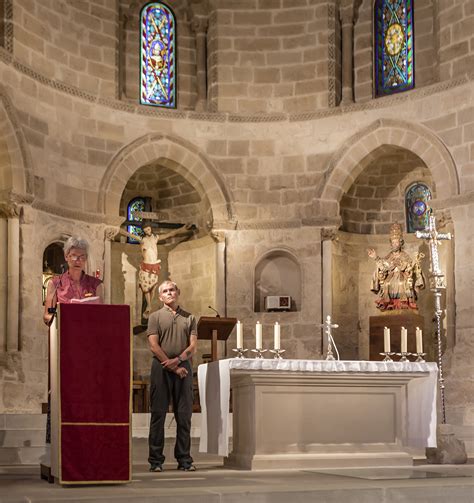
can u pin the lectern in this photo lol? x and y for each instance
(91, 384)
(215, 329)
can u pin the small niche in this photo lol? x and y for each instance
(278, 273)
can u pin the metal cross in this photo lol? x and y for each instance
(437, 283)
(327, 325)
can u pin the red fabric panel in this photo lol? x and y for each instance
(95, 363)
(95, 453)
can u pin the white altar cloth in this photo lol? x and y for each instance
(214, 392)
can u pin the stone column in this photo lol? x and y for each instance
(199, 25)
(347, 26)
(13, 277)
(328, 235)
(110, 233)
(3, 282)
(221, 266)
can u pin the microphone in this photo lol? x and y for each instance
(217, 313)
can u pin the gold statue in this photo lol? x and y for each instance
(397, 278)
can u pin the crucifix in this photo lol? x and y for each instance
(437, 283)
(327, 325)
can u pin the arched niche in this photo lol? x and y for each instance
(278, 272)
(53, 264)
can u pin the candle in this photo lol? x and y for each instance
(419, 340)
(276, 336)
(404, 340)
(258, 335)
(240, 335)
(386, 340)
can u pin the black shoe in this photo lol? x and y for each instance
(187, 467)
(156, 468)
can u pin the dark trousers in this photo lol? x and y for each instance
(165, 388)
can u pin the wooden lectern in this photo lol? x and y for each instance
(215, 329)
(91, 391)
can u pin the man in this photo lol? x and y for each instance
(150, 266)
(172, 337)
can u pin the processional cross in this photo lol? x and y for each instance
(437, 283)
(327, 325)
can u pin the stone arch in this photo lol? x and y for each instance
(357, 152)
(16, 173)
(177, 154)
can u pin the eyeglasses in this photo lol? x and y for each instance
(77, 258)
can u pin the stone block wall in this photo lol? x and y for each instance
(268, 56)
(72, 42)
(455, 22)
(376, 199)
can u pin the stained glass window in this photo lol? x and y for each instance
(158, 56)
(394, 49)
(417, 208)
(136, 204)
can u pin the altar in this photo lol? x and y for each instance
(317, 414)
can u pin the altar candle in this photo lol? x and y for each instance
(276, 336)
(240, 335)
(419, 340)
(386, 340)
(404, 340)
(258, 336)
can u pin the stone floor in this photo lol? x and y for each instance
(214, 484)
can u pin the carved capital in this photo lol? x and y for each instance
(199, 25)
(346, 12)
(218, 236)
(110, 233)
(10, 209)
(329, 234)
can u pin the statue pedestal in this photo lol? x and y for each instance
(394, 320)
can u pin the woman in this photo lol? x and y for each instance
(74, 283)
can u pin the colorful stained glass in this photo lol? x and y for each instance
(158, 56)
(136, 204)
(394, 46)
(417, 208)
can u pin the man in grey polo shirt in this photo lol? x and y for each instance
(172, 337)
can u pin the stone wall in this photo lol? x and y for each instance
(269, 56)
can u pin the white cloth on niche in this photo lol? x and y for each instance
(214, 392)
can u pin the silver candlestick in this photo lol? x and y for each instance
(240, 352)
(420, 358)
(277, 353)
(403, 356)
(387, 356)
(259, 353)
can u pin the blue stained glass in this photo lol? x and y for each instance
(158, 56)
(136, 204)
(417, 208)
(394, 46)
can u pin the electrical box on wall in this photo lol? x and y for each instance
(278, 303)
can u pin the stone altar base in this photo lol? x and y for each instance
(313, 420)
(394, 321)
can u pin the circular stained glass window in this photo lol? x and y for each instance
(394, 39)
(418, 208)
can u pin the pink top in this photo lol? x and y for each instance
(67, 290)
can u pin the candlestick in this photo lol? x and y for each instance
(240, 352)
(277, 353)
(240, 335)
(419, 340)
(386, 340)
(276, 335)
(403, 341)
(258, 336)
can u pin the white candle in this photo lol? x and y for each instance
(386, 340)
(240, 336)
(404, 340)
(276, 336)
(419, 340)
(258, 336)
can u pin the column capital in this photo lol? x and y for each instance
(10, 209)
(110, 233)
(199, 25)
(329, 234)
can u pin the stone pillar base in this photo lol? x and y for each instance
(450, 450)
